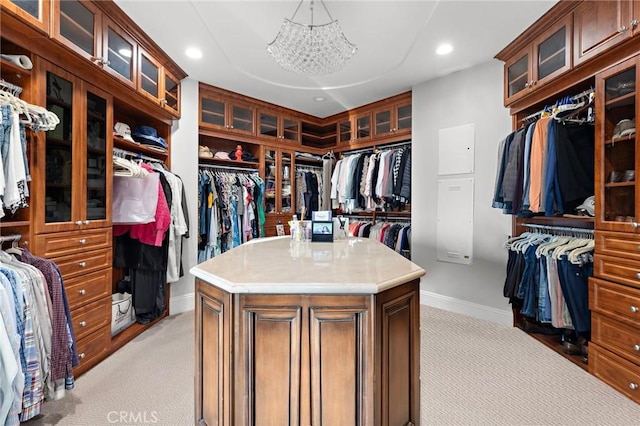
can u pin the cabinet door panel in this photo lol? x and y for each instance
(552, 51)
(171, 99)
(599, 25)
(120, 51)
(290, 129)
(517, 76)
(212, 113)
(212, 359)
(399, 325)
(270, 347)
(404, 117)
(36, 13)
(616, 154)
(77, 26)
(339, 365)
(60, 153)
(149, 76)
(97, 207)
(268, 125)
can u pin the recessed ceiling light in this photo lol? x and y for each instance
(125, 52)
(444, 49)
(319, 98)
(193, 53)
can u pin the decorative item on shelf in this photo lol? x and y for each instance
(311, 49)
(22, 61)
(238, 153)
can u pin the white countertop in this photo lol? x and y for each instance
(279, 265)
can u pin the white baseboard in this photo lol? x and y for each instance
(487, 313)
(184, 303)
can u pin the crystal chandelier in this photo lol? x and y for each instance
(311, 49)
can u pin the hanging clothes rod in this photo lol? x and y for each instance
(307, 167)
(238, 168)
(135, 155)
(8, 238)
(553, 228)
(378, 148)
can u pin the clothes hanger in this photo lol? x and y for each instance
(574, 255)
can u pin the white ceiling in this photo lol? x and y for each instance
(396, 43)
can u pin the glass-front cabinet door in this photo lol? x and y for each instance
(517, 75)
(74, 163)
(286, 183)
(363, 127)
(271, 181)
(60, 205)
(34, 12)
(171, 89)
(552, 52)
(290, 129)
(404, 118)
(268, 125)
(119, 51)
(77, 25)
(241, 119)
(279, 182)
(212, 113)
(149, 76)
(344, 130)
(617, 193)
(96, 211)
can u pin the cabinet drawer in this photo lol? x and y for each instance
(618, 244)
(64, 243)
(82, 263)
(615, 300)
(91, 317)
(93, 349)
(625, 271)
(619, 338)
(88, 288)
(615, 371)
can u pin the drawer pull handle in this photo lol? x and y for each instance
(82, 264)
(82, 292)
(634, 224)
(81, 356)
(86, 222)
(636, 348)
(84, 241)
(633, 386)
(83, 324)
(633, 309)
(638, 275)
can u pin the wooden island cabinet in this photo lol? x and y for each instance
(303, 333)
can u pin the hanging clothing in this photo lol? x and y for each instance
(545, 168)
(37, 349)
(230, 210)
(370, 181)
(547, 279)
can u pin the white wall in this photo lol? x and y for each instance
(184, 162)
(471, 96)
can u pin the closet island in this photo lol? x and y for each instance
(307, 333)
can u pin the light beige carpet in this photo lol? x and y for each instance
(473, 373)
